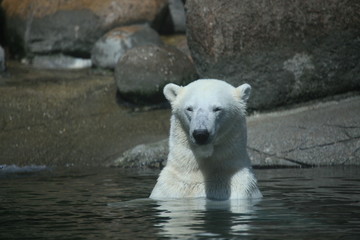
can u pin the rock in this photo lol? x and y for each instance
(60, 61)
(177, 14)
(320, 134)
(113, 45)
(172, 19)
(143, 71)
(2, 59)
(179, 41)
(68, 118)
(70, 27)
(289, 51)
(153, 155)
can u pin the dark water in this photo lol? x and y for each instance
(103, 203)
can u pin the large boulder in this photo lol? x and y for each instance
(114, 44)
(143, 71)
(287, 50)
(70, 27)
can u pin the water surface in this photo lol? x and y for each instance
(108, 203)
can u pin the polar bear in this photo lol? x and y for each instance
(207, 144)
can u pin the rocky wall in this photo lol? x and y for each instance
(288, 50)
(71, 27)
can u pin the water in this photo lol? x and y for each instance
(108, 203)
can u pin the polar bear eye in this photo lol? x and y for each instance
(217, 109)
(189, 109)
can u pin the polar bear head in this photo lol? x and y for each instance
(207, 109)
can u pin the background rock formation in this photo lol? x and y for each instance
(113, 45)
(287, 50)
(70, 27)
(142, 72)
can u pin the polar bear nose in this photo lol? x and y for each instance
(201, 136)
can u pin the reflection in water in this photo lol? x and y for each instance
(202, 217)
(95, 203)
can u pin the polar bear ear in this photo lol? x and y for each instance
(171, 91)
(243, 92)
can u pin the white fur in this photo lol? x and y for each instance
(220, 169)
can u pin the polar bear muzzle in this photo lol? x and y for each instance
(201, 136)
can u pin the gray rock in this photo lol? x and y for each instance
(288, 51)
(60, 61)
(322, 134)
(172, 20)
(70, 27)
(177, 14)
(2, 59)
(179, 41)
(113, 45)
(317, 135)
(143, 71)
(153, 155)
